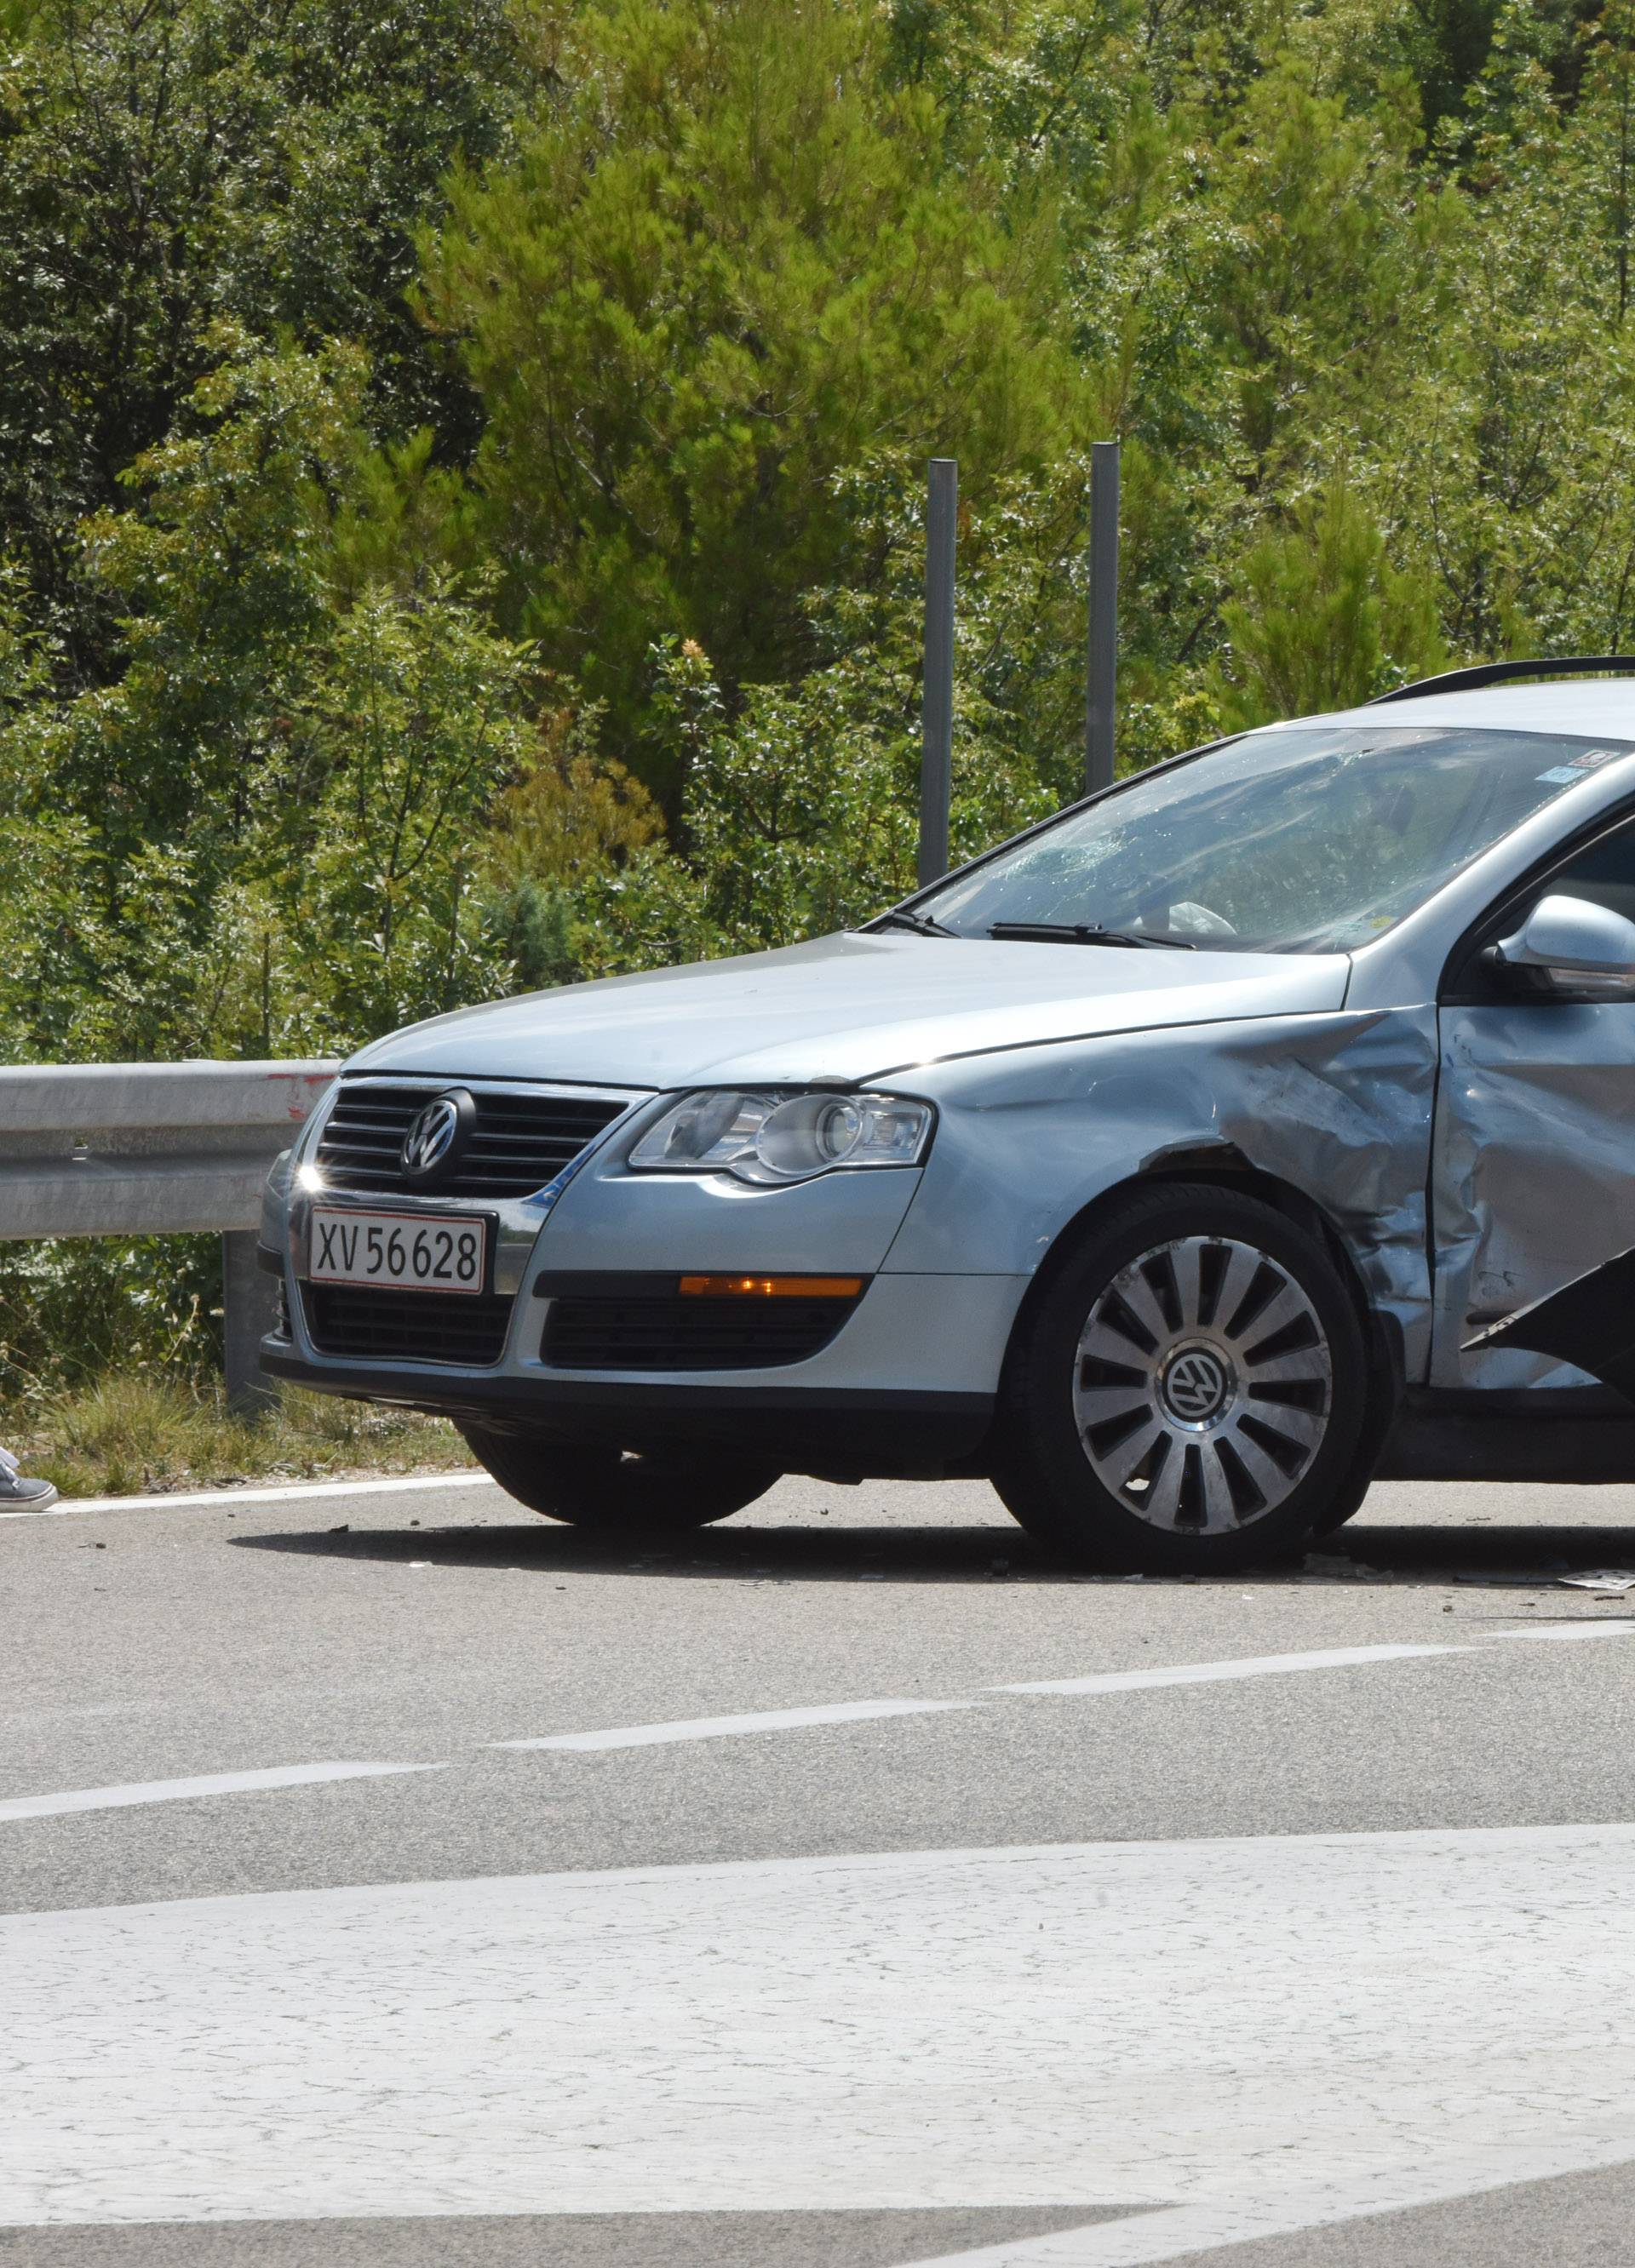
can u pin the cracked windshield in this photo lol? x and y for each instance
(1311, 840)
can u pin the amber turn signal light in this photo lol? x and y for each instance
(772, 1287)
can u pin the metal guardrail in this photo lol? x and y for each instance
(157, 1149)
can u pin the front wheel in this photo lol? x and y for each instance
(1189, 1395)
(615, 1491)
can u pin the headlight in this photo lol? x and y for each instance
(783, 1137)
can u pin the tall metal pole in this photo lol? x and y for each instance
(942, 505)
(1101, 675)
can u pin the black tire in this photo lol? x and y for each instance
(1345, 1504)
(1351, 1494)
(615, 1494)
(1227, 1438)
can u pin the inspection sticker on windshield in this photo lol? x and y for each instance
(1575, 767)
(410, 1251)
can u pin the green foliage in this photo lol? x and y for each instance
(1325, 257)
(571, 814)
(1327, 621)
(68, 1312)
(728, 263)
(219, 579)
(799, 811)
(413, 722)
(562, 834)
(268, 831)
(137, 1430)
(166, 165)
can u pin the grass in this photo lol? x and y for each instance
(134, 1434)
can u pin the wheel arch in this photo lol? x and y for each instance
(1223, 1165)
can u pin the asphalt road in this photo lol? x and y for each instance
(393, 1878)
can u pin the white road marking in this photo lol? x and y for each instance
(1210, 1673)
(1277, 1665)
(284, 1492)
(1091, 2024)
(767, 1720)
(180, 1791)
(711, 1728)
(1568, 1630)
(1111, 1680)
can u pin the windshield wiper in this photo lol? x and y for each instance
(1084, 933)
(921, 924)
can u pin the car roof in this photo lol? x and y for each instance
(1582, 706)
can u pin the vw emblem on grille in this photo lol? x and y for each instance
(429, 1141)
(1196, 1384)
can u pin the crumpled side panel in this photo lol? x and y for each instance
(1534, 1173)
(1338, 1106)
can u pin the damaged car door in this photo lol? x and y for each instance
(1533, 1180)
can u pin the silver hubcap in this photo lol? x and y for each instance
(1202, 1385)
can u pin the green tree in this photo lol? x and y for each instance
(265, 836)
(415, 718)
(216, 574)
(1321, 281)
(166, 163)
(1505, 455)
(728, 265)
(1325, 620)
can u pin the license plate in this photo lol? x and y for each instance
(411, 1252)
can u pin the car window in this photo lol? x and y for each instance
(1602, 871)
(1307, 838)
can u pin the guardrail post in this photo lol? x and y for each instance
(942, 506)
(1102, 676)
(249, 1306)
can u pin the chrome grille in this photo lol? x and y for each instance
(521, 1140)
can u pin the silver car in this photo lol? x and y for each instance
(1170, 1166)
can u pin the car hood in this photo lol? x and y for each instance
(850, 1006)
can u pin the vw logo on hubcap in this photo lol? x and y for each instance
(1196, 1386)
(429, 1139)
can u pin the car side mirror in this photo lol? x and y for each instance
(1573, 940)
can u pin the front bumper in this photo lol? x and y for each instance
(840, 1433)
(906, 1385)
